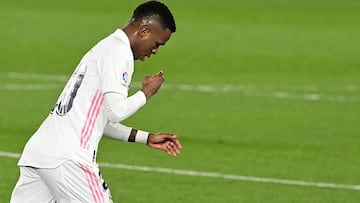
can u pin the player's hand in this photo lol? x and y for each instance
(167, 142)
(151, 84)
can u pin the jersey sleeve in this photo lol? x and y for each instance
(116, 69)
(119, 108)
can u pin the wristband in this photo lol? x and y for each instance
(138, 136)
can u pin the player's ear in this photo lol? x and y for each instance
(144, 31)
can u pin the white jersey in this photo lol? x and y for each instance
(74, 127)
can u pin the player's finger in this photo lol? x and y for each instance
(177, 143)
(176, 148)
(173, 139)
(173, 149)
(161, 75)
(170, 149)
(159, 78)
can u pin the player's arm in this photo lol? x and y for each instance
(163, 141)
(119, 107)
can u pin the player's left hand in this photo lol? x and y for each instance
(164, 141)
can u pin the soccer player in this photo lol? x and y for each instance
(58, 163)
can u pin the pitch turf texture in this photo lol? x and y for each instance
(267, 89)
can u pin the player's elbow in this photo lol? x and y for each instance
(117, 113)
(116, 107)
(119, 107)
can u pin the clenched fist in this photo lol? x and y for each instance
(151, 84)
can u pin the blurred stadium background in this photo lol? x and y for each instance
(254, 89)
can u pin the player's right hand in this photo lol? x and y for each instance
(151, 84)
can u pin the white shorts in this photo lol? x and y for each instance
(70, 182)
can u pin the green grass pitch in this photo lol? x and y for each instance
(264, 88)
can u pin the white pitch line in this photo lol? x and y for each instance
(306, 88)
(36, 76)
(215, 175)
(252, 90)
(306, 93)
(29, 87)
(206, 89)
(10, 154)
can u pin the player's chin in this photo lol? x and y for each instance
(143, 58)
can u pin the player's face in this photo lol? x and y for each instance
(150, 38)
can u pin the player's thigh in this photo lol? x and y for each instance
(73, 182)
(31, 188)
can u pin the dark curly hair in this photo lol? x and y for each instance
(155, 9)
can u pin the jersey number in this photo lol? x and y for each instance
(65, 103)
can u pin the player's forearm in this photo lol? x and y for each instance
(119, 107)
(124, 133)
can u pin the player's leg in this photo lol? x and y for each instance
(73, 182)
(31, 188)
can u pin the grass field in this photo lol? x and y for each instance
(262, 89)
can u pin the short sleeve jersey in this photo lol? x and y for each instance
(75, 126)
